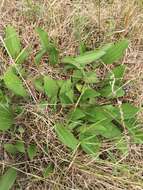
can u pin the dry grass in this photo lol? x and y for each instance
(68, 22)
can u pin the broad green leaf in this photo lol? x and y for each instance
(6, 118)
(106, 47)
(39, 84)
(107, 130)
(3, 98)
(108, 92)
(60, 83)
(13, 83)
(39, 56)
(117, 74)
(119, 71)
(90, 77)
(66, 92)
(20, 146)
(137, 136)
(135, 130)
(89, 57)
(66, 98)
(131, 123)
(80, 87)
(48, 170)
(53, 54)
(10, 148)
(23, 56)
(72, 63)
(32, 151)
(66, 137)
(12, 42)
(76, 115)
(44, 38)
(77, 76)
(86, 58)
(89, 93)
(111, 111)
(96, 114)
(51, 88)
(47, 47)
(90, 143)
(129, 110)
(101, 114)
(8, 179)
(115, 52)
(74, 124)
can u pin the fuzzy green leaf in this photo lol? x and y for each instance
(129, 110)
(66, 137)
(90, 77)
(51, 88)
(106, 47)
(23, 56)
(119, 71)
(110, 111)
(47, 47)
(74, 124)
(10, 148)
(44, 38)
(96, 114)
(66, 92)
(77, 76)
(90, 143)
(53, 54)
(13, 83)
(107, 130)
(8, 179)
(39, 55)
(39, 84)
(82, 48)
(6, 118)
(108, 92)
(76, 115)
(72, 63)
(12, 42)
(137, 136)
(20, 146)
(32, 151)
(117, 74)
(115, 52)
(88, 94)
(84, 59)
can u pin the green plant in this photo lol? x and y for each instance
(8, 179)
(13, 46)
(88, 123)
(93, 108)
(47, 47)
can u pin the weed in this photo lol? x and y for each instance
(87, 123)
